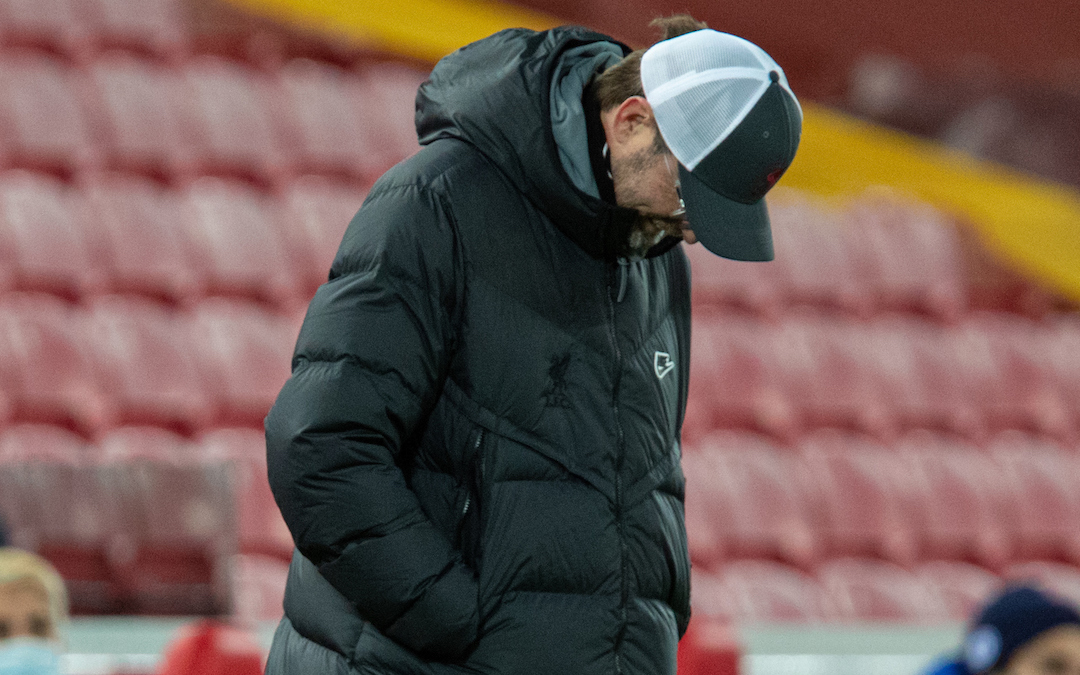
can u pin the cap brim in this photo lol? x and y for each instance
(726, 227)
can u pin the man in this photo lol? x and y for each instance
(33, 607)
(1022, 631)
(478, 453)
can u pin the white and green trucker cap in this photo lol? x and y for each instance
(725, 110)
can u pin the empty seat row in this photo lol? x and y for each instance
(76, 27)
(988, 372)
(877, 253)
(926, 497)
(865, 590)
(143, 520)
(120, 361)
(210, 116)
(118, 233)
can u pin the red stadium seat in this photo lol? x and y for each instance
(750, 495)
(232, 117)
(42, 222)
(54, 25)
(863, 493)
(42, 123)
(732, 380)
(146, 364)
(762, 591)
(962, 502)
(262, 531)
(963, 587)
(709, 647)
(873, 590)
(258, 584)
(388, 105)
(71, 513)
(910, 255)
(139, 238)
(1046, 509)
(246, 355)
(46, 372)
(154, 27)
(185, 521)
(1059, 358)
(140, 111)
(235, 241)
(328, 134)
(720, 283)
(319, 211)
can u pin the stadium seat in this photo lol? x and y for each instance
(185, 521)
(153, 27)
(319, 211)
(874, 590)
(261, 529)
(42, 123)
(962, 500)
(46, 372)
(909, 254)
(234, 240)
(763, 591)
(235, 132)
(721, 284)
(146, 364)
(388, 105)
(258, 588)
(245, 353)
(709, 647)
(1046, 510)
(751, 498)
(43, 222)
(731, 376)
(814, 260)
(139, 111)
(862, 492)
(328, 134)
(139, 238)
(53, 25)
(962, 587)
(71, 513)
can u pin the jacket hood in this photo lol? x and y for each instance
(496, 95)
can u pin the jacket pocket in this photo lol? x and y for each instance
(471, 525)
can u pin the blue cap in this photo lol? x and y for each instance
(1011, 620)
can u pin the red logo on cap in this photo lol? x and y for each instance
(774, 176)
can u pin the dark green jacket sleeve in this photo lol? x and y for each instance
(369, 363)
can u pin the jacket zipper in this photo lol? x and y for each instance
(619, 441)
(475, 450)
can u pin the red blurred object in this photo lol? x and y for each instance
(245, 353)
(235, 241)
(761, 591)
(1064, 580)
(258, 584)
(42, 122)
(963, 588)
(721, 284)
(709, 648)
(319, 211)
(862, 490)
(53, 25)
(153, 27)
(140, 110)
(212, 648)
(42, 222)
(873, 590)
(388, 107)
(46, 371)
(146, 364)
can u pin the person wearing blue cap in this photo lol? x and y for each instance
(1022, 631)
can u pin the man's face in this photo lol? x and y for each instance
(643, 170)
(24, 611)
(1056, 652)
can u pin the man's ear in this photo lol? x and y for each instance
(628, 119)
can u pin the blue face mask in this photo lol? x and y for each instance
(29, 656)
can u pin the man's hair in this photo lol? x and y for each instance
(623, 80)
(18, 566)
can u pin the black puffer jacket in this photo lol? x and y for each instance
(477, 452)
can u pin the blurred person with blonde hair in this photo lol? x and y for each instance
(33, 609)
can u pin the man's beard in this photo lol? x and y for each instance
(650, 229)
